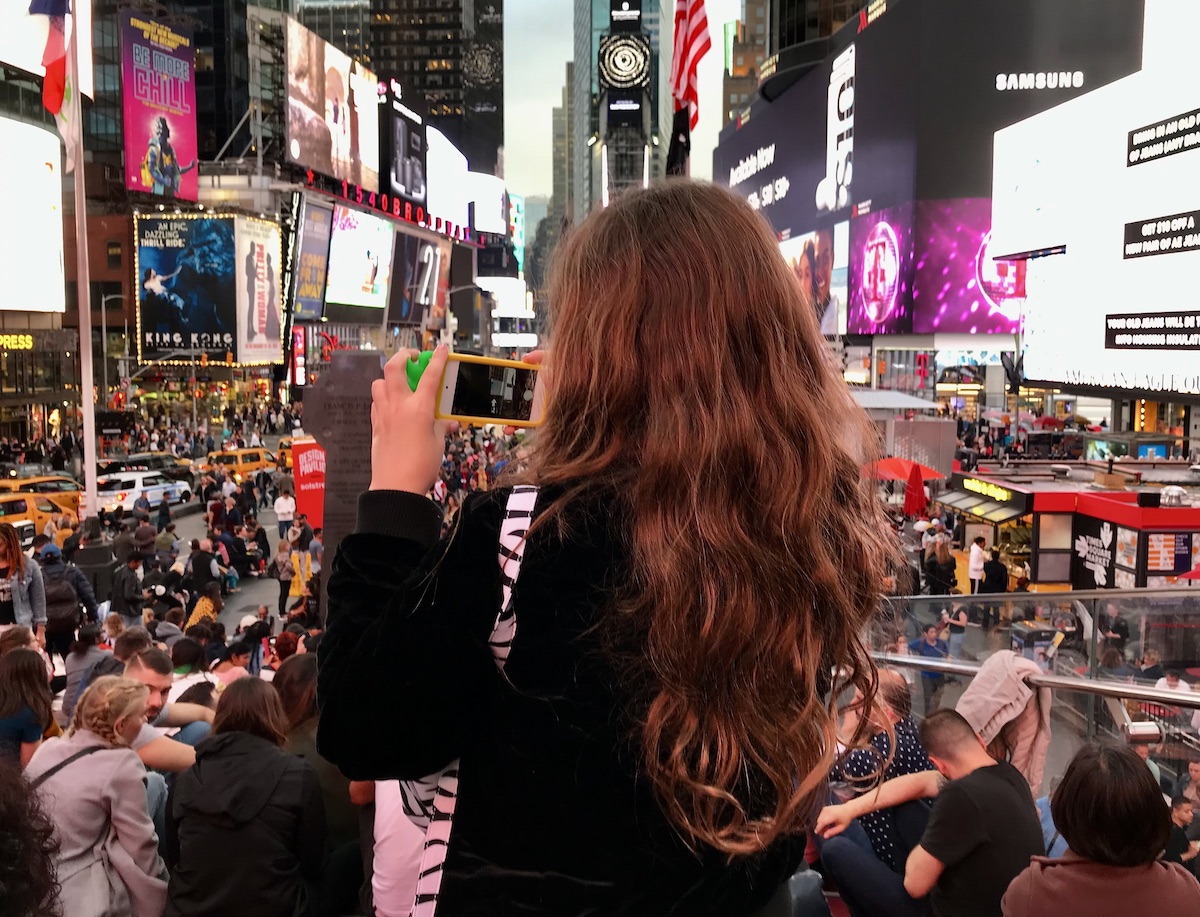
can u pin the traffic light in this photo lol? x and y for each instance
(203, 359)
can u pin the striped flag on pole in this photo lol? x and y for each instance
(692, 42)
(59, 90)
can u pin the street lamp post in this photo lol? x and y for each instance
(104, 337)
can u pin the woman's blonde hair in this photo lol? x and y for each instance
(693, 392)
(943, 551)
(107, 701)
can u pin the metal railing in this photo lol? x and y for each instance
(1114, 689)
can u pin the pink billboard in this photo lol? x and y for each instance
(159, 91)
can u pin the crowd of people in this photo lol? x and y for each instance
(611, 688)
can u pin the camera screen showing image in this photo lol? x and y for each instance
(499, 392)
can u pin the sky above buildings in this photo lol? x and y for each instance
(539, 40)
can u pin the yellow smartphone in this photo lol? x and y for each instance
(480, 390)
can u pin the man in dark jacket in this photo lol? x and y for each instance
(65, 585)
(995, 581)
(122, 545)
(127, 595)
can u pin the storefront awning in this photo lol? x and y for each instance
(981, 507)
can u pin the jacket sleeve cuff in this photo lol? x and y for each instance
(399, 514)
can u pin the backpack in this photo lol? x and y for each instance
(62, 604)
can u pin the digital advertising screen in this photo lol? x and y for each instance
(420, 281)
(332, 110)
(23, 39)
(958, 286)
(158, 91)
(1110, 179)
(312, 261)
(259, 295)
(820, 261)
(449, 181)
(402, 130)
(31, 246)
(187, 274)
(904, 109)
(881, 272)
(360, 259)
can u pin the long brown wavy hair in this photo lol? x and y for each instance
(688, 379)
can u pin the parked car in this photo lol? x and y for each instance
(61, 489)
(123, 490)
(27, 513)
(177, 469)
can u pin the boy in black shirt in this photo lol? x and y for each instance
(983, 830)
(1179, 848)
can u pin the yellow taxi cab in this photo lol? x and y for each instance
(240, 463)
(285, 453)
(60, 489)
(27, 513)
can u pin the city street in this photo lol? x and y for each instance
(252, 591)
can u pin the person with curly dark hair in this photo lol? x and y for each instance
(28, 887)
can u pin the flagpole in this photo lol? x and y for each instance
(87, 371)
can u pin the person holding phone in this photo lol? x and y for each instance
(615, 669)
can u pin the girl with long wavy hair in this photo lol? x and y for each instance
(645, 726)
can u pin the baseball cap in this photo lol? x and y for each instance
(51, 551)
(247, 621)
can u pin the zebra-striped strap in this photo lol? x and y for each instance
(430, 802)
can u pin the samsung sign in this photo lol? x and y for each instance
(1053, 79)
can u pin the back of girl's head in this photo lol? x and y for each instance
(28, 887)
(1109, 808)
(690, 380)
(24, 683)
(296, 682)
(89, 636)
(188, 655)
(115, 625)
(106, 702)
(15, 638)
(251, 705)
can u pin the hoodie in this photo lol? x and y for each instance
(245, 831)
(1073, 885)
(168, 633)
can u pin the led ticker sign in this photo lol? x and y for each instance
(997, 493)
(16, 342)
(390, 205)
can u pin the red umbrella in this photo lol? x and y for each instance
(1047, 421)
(914, 492)
(901, 469)
(1192, 574)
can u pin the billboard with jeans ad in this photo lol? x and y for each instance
(187, 287)
(159, 91)
(259, 296)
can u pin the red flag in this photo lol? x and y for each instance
(54, 55)
(692, 42)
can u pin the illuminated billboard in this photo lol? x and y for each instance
(158, 91)
(360, 259)
(332, 110)
(31, 239)
(259, 292)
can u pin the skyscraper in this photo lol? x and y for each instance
(451, 54)
(622, 107)
(747, 46)
(562, 158)
(345, 24)
(796, 21)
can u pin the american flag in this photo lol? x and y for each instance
(692, 42)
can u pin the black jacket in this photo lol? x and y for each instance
(995, 577)
(245, 832)
(76, 577)
(127, 598)
(552, 818)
